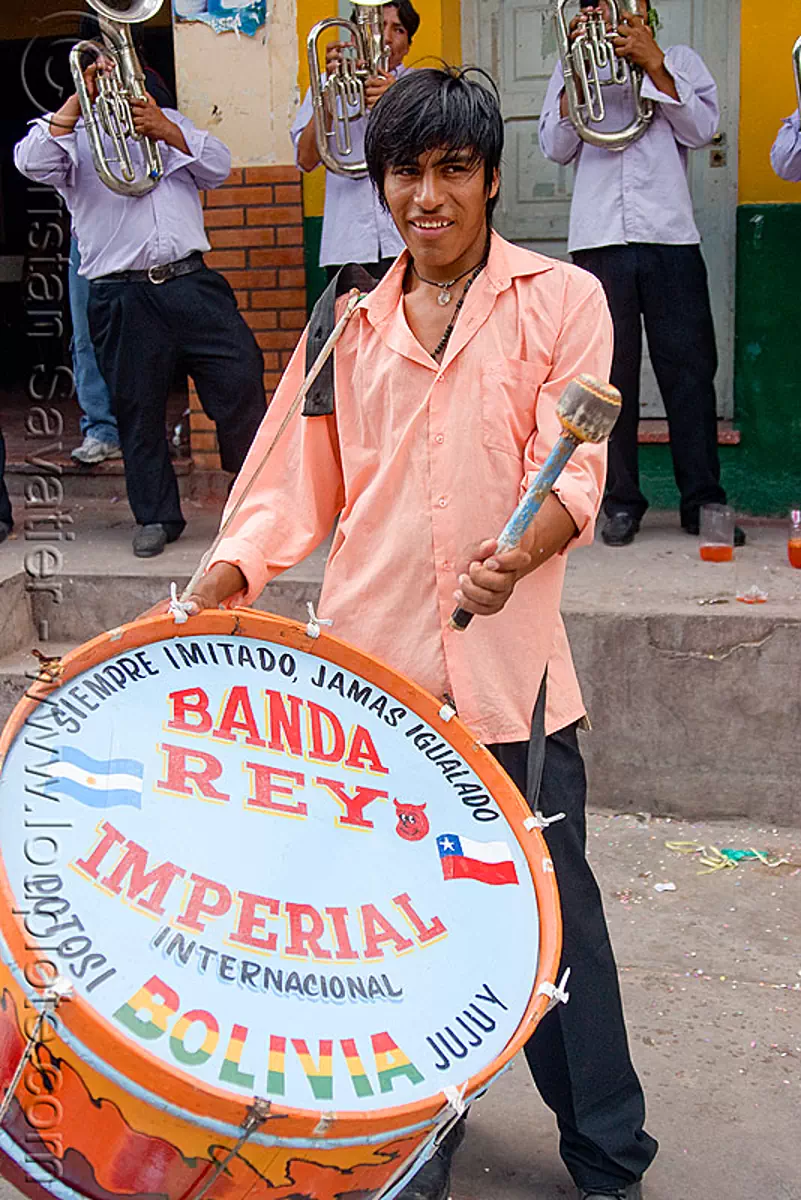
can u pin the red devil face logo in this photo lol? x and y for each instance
(412, 821)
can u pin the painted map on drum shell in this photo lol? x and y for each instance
(267, 872)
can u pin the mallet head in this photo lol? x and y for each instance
(589, 408)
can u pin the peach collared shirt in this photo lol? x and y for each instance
(420, 461)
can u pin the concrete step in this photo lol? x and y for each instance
(106, 480)
(16, 617)
(98, 602)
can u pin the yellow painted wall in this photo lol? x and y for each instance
(309, 13)
(767, 95)
(439, 37)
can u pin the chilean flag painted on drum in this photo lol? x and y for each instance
(486, 862)
(101, 783)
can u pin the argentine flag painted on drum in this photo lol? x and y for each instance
(100, 783)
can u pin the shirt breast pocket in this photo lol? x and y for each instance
(509, 390)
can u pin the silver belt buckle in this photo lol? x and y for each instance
(160, 274)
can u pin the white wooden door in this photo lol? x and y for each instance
(515, 41)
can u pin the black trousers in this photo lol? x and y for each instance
(665, 288)
(5, 502)
(141, 332)
(579, 1055)
(377, 269)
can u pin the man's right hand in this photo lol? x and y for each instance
(577, 25)
(67, 117)
(103, 64)
(333, 55)
(90, 79)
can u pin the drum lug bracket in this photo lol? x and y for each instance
(257, 1114)
(557, 993)
(60, 989)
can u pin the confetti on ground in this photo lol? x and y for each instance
(725, 858)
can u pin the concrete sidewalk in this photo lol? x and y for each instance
(711, 979)
(660, 572)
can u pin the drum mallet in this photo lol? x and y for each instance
(587, 410)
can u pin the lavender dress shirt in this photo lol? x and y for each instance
(127, 233)
(639, 194)
(785, 154)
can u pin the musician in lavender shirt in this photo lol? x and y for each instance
(785, 154)
(632, 225)
(153, 304)
(356, 227)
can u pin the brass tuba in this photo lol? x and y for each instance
(341, 99)
(111, 113)
(797, 70)
(590, 64)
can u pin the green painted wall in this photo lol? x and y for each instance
(316, 277)
(763, 474)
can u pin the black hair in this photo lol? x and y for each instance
(435, 109)
(408, 16)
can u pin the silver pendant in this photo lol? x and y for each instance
(444, 297)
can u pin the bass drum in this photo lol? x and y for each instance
(269, 917)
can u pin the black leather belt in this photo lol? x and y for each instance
(159, 274)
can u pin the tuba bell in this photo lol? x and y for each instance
(590, 64)
(116, 87)
(342, 99)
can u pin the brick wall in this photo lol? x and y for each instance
(255, 226)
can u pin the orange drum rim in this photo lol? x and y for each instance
(150, 1074)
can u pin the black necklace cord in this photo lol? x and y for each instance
(442, 286)
(441, 345)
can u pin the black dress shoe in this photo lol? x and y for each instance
(632, 1192)
(149, 540)
(5, 530)
(620, 529)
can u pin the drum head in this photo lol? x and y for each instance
(269, 866)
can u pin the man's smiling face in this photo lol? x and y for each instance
(439, 204)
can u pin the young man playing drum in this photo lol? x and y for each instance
(446, 383)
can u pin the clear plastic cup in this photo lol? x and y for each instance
(717, 533)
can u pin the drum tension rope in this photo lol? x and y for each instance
(456, 1102)
(315, 623)
(540, 821)
(257, 1114)
(60, 989)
